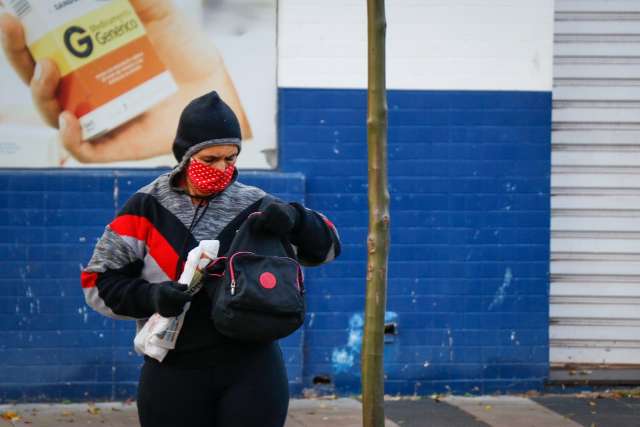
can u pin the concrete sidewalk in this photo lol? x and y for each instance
(610, 409)
(570, 410)
(302, 413)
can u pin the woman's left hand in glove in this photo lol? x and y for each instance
(277, 218)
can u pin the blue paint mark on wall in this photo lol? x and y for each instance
(500, 294)
(344, 357)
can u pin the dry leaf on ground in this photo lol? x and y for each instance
(10, 416)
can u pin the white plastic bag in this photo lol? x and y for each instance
(159, 334)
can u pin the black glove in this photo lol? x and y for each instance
(168, 298)
(278, 219)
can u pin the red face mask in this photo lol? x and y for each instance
(207, 179)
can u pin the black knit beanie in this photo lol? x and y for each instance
(204, 122)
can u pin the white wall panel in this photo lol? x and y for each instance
(589, 332)
(431, 44)
(590, 354)
(595, 203)
(591, 245)
(597, 93)
(588, 267)
(620, 181)
(619, 289)
(597, 5)
(596, 310)
(583, 157)
(566, 134)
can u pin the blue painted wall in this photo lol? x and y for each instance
(468, 276)
(469, 264)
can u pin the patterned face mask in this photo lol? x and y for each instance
(207, 179)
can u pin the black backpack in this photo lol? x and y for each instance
(259, 289)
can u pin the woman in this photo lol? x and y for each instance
(208, 379)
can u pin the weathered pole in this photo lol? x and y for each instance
(378, 237)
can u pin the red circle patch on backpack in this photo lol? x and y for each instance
(267, 280)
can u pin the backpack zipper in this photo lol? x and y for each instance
(233, 275)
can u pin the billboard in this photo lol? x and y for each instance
(101, 83)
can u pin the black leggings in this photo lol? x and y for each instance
(250, 391)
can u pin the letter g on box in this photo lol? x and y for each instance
(78, 42)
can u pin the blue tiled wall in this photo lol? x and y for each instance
(52, 345)
(469, 262)
(468, 275)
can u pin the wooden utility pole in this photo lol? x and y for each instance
(378, 237)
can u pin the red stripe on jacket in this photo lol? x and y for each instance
(159, 248)
(88, 280)
(327, 221)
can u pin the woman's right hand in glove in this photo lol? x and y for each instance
(169, 298)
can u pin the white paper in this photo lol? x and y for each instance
(159, 334)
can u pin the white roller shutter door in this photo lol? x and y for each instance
(595, 223)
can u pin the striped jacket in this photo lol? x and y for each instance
(149, 239)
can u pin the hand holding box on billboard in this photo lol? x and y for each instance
(194, 63)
